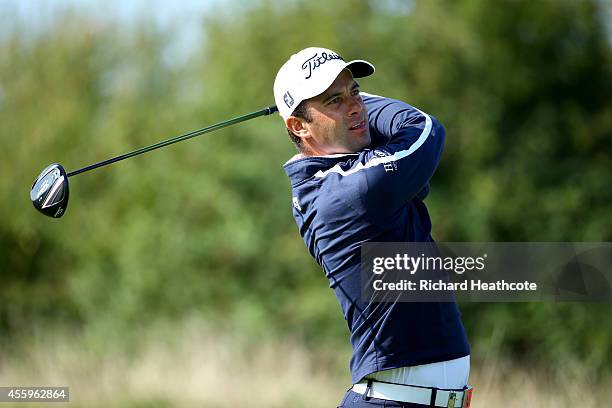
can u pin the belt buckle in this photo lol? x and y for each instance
(452, 397)
(467, 396)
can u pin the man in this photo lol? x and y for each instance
(361, 175)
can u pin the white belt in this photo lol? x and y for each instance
(415, 395)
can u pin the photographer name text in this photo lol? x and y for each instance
(440, 285)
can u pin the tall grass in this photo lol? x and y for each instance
(192, 365)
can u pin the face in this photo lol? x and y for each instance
(339, 119)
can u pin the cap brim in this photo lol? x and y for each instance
(360, 68)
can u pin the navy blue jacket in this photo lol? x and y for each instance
(376, 195)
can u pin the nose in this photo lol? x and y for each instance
(355, 106)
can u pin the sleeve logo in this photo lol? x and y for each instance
(296, 204)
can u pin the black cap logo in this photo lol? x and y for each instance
(316, 61)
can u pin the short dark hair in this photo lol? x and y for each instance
(301, 111)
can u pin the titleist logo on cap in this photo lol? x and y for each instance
(316, 61)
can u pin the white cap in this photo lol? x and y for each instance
(309, 73)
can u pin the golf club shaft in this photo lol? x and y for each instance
(263, 112)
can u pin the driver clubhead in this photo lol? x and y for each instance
(49, 192)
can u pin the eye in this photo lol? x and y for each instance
(334, 100)
(355, 91)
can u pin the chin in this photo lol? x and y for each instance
(366, 141)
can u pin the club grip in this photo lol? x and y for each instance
(271, 109)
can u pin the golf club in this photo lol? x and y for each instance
(49, 193)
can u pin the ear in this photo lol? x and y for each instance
(297, 126)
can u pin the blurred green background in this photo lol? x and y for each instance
(194, 245)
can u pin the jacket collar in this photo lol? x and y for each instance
(300, 167)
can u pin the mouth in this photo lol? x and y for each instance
(358, 126)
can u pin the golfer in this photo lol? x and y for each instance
(361, 175)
